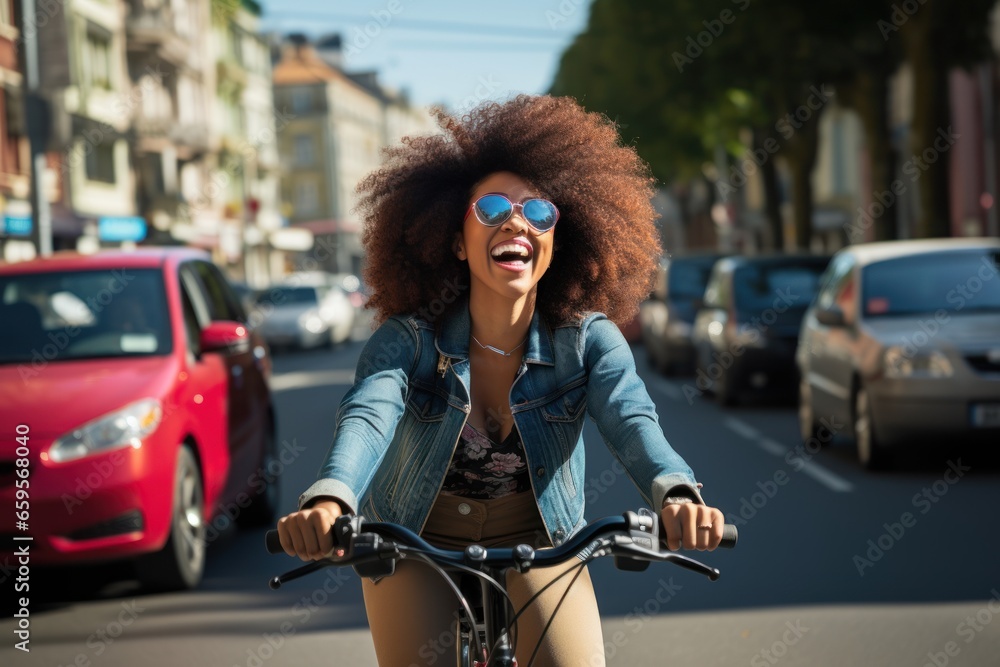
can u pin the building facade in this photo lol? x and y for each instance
(339, 123)
(15, 168)
(85, 78)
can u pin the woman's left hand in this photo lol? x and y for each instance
(692, 526)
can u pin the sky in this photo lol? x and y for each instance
(451, 52)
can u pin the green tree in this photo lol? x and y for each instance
(683, 77)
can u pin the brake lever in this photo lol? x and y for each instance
(628, 551)
(643, 532)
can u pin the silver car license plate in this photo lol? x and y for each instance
(986, 415)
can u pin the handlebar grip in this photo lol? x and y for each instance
(730, 535)
(273, 542)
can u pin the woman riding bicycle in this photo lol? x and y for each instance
(500, 254)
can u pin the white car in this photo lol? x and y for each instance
(303, 314)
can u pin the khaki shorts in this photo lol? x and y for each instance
(456, 522)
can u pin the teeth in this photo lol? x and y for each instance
(510, 247)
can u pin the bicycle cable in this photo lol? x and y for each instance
(541, 638)
(538, 593)
(511, 628)
(426, 559)
(546, 587)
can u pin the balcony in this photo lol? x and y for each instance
(154, 133)
(152, 30)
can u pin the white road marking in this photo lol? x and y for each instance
(826, 478)
(742, 428)
(771, 446)
(298, 380)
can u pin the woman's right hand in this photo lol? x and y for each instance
(308, 532)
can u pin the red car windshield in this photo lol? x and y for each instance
(83, 315)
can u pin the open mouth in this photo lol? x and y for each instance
(514, 254)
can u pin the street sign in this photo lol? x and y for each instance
(17, 225)
(114, 228)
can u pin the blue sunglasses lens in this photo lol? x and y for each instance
(540, 214)
(493, 209)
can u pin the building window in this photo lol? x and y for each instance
(304, 155)
(100, 163)
(97, 59)
(301, 100)
(306, 198)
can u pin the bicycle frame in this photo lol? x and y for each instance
(493, 628)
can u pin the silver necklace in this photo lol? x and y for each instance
(497, 349)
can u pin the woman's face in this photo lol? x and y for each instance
(505, 273)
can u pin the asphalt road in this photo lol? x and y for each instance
(835, 566)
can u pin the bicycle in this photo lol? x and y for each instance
(373, 548)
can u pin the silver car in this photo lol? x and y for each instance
(903, 343)
(303, 314)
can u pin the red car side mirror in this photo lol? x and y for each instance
(225, 336)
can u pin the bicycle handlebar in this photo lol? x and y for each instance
(520, 557)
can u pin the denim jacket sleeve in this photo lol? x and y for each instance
(368, 415)
(626, 417)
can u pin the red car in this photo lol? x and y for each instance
(135, 411)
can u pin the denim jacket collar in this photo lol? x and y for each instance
(452, 337)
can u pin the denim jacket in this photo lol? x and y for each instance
(399, 425)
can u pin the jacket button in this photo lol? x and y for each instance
(559, 534)
(540, 472)
(463, 508)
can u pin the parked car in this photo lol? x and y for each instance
(356, 290)
(667, 317)
(746, 332)
(143, 401)
(305, 312)
(903, 343)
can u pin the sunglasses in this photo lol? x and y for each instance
(494, 209)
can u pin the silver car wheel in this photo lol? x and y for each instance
(870, 454)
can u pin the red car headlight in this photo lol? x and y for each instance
(122, 428)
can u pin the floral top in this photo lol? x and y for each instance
(483, 470)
